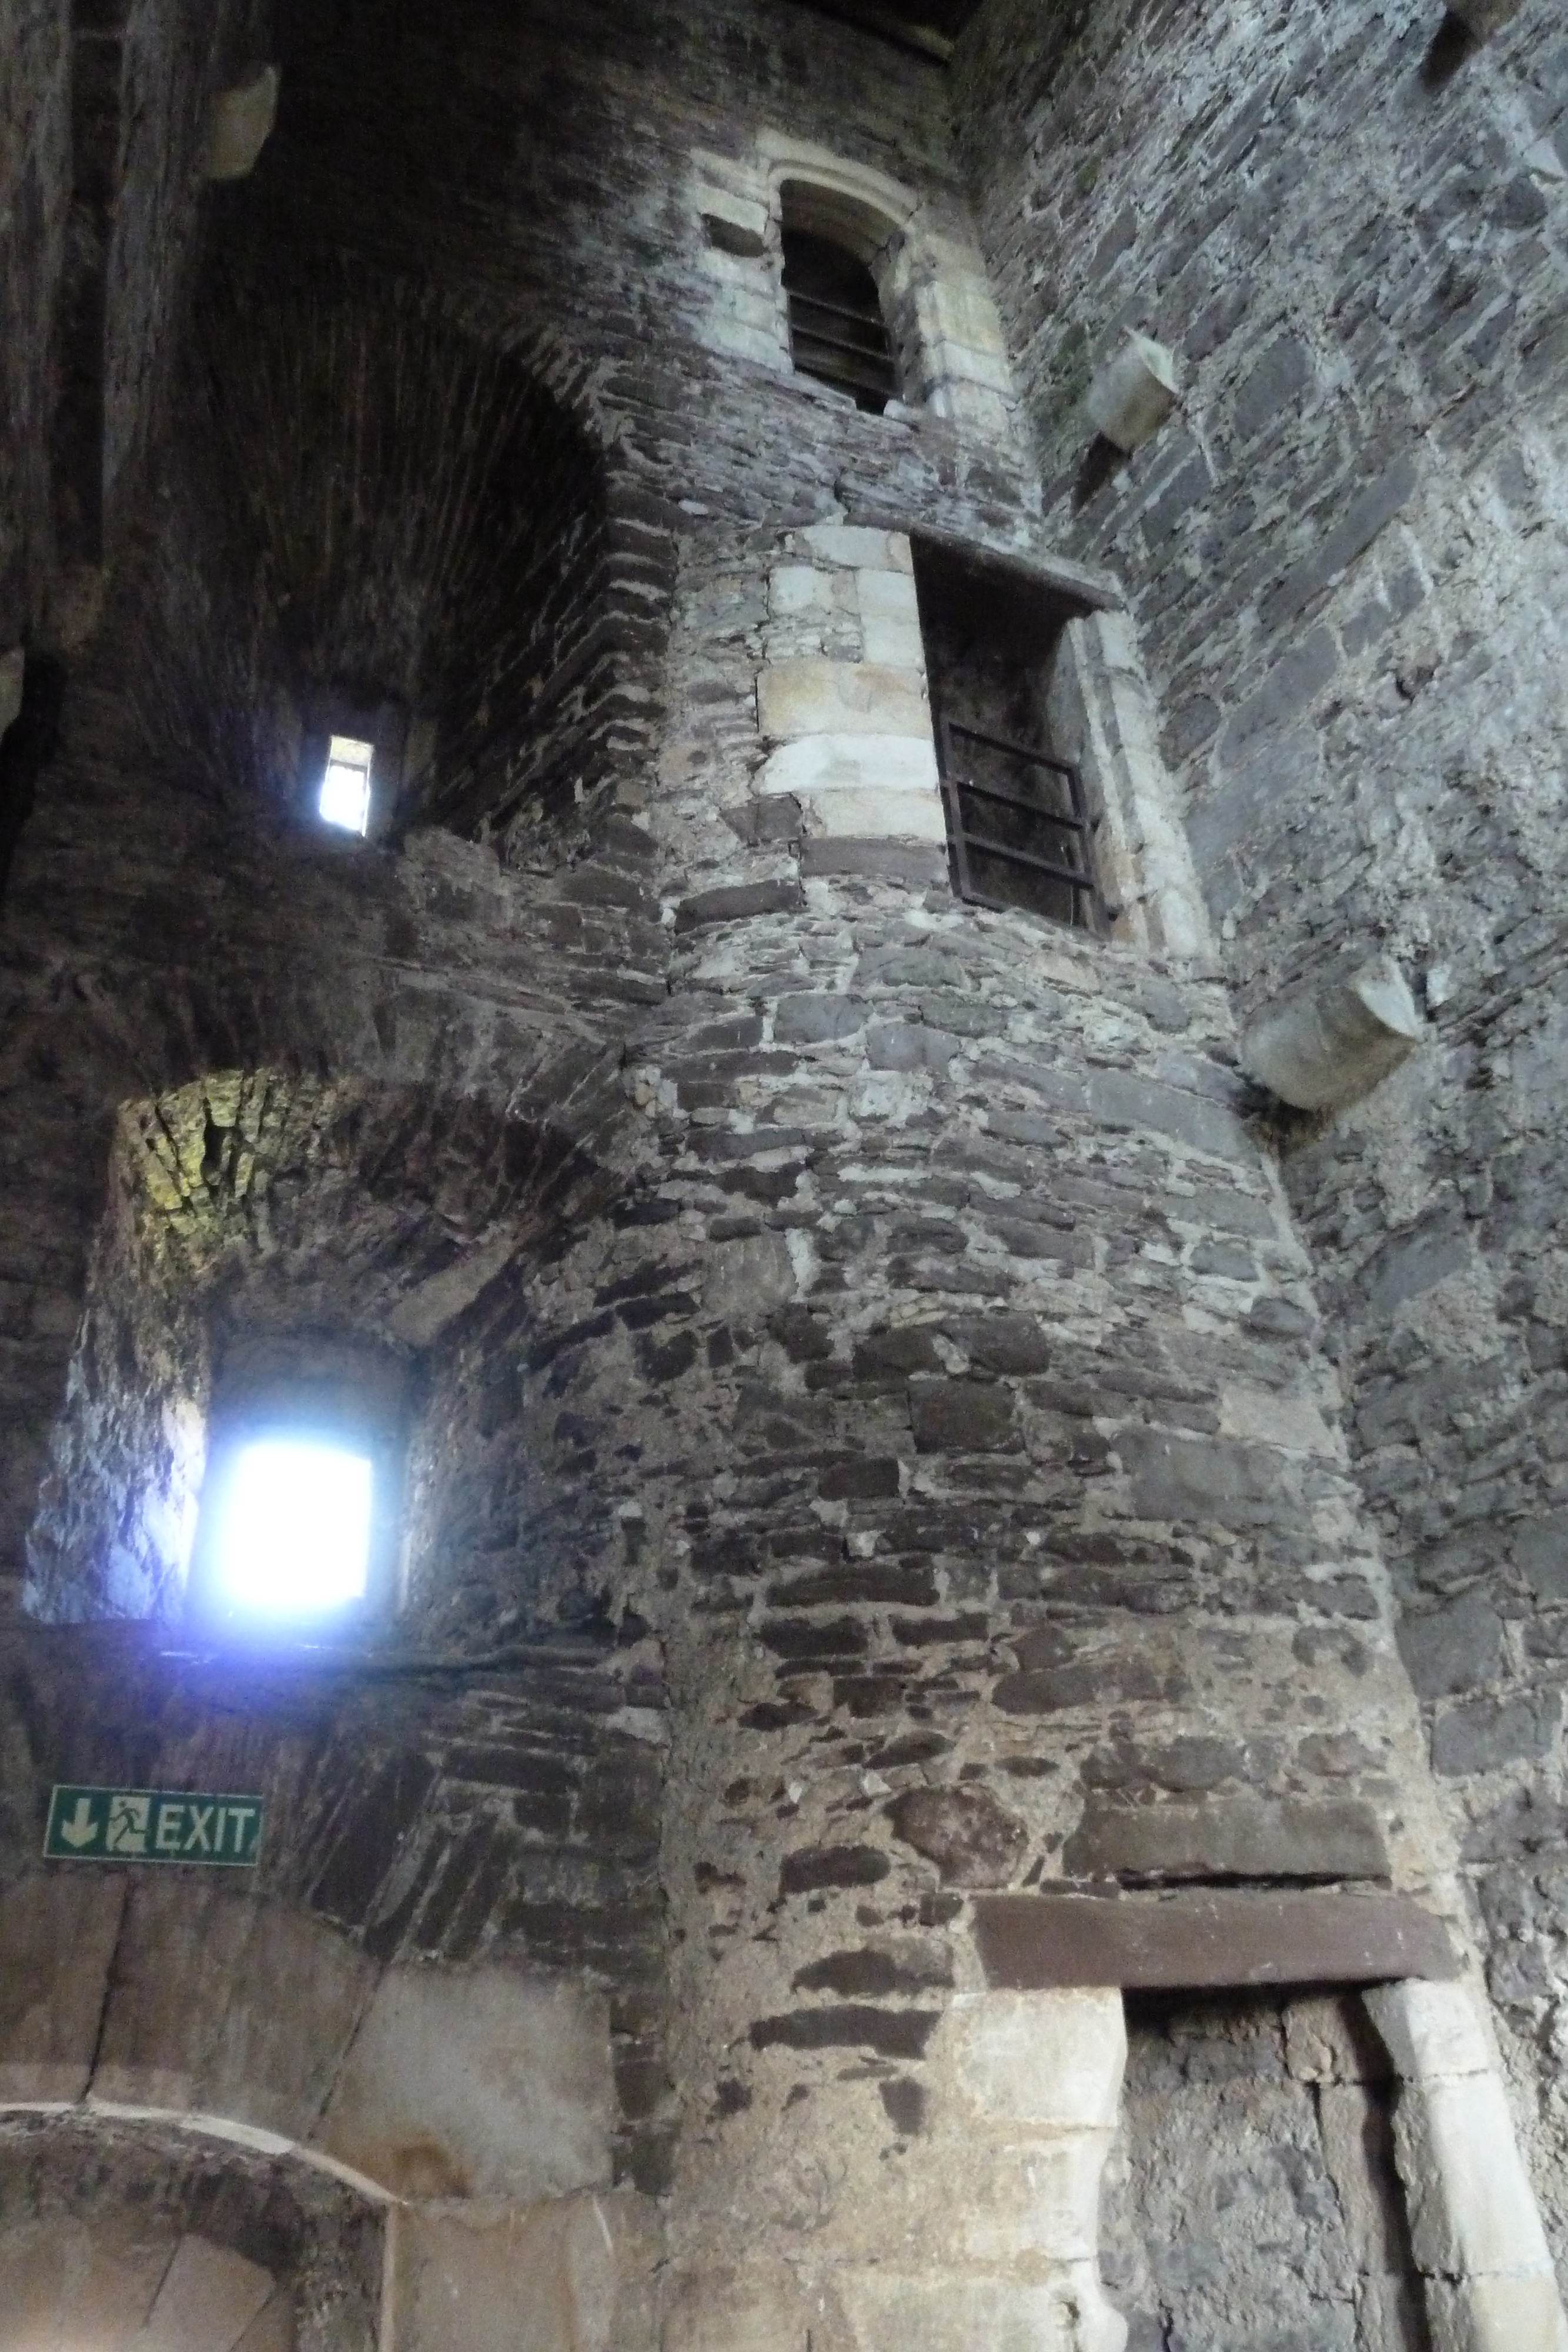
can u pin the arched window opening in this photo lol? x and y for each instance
(836, 332)
(838, 329)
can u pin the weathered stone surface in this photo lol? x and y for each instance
(813, 696)
(624, 1005)
(57, 1940)
(577, 2275)
(1230, 1837)
(973, 1840)
(192, 2022)
(1225, 1939)
(478, 2083)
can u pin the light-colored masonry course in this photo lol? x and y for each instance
(970, 1708)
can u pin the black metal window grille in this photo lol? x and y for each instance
(1018, 829)
(837, 332)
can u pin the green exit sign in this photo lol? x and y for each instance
(153, 1825)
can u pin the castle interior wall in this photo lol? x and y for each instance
(1346, 559)
(880, 1510)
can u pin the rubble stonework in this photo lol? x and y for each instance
(1344, 559)
(877, 1462)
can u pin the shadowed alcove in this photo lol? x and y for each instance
(366, 508)
(333, 1253)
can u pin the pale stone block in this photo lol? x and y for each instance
(795, 588)
(58, 1936)
(273, 2331)
(1432, 2030)
(735, 224)
(832, 763)
(1328, 1045)
(814, 695)
(475, 2083)
(1266, 1419)
(895, 645)
(240, 125)
(65, 2282)
(736, 176)
(870, 816)
(859, 550)
(1101, 709)
(1496, 2315)
(194, 2021)
(958, 363)
(1044, 2058)
(208, 2300)
(887, 596)
(957, 298)
(737, 302)
(1471, 2206)
(1038, 2200)
(743, 343)
(963, 2313)
(757, 2309)
(577, 2276)
(1134, 392)
(973, 405)
(1485, 17)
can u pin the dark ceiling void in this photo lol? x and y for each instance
(929, 28)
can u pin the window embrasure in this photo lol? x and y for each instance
(792, 222)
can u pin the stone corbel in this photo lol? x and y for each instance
(1334, 1043)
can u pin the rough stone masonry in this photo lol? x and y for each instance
(971, 1685)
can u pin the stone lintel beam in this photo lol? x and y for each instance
(1214, 1937)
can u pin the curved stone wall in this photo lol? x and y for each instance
(1345, 556)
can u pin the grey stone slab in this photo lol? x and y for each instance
(1032, 1943)
(1242, 1837)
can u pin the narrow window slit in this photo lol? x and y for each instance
(345, 797)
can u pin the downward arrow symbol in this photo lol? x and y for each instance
(81, 1829)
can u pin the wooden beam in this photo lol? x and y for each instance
(1209, 1939)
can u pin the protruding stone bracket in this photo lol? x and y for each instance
(1134, 393)
(240, 125)
(1333, 1043)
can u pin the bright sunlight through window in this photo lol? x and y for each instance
(295, 1536)
(346, 787)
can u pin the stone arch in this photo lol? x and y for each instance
(212, 2085)
(307, 1228)
(370, 503)
(934, 293)
(121, 2230)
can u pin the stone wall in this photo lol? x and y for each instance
(1345, 560)
(866, 1321)
(114, 2231)
(34, 111)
